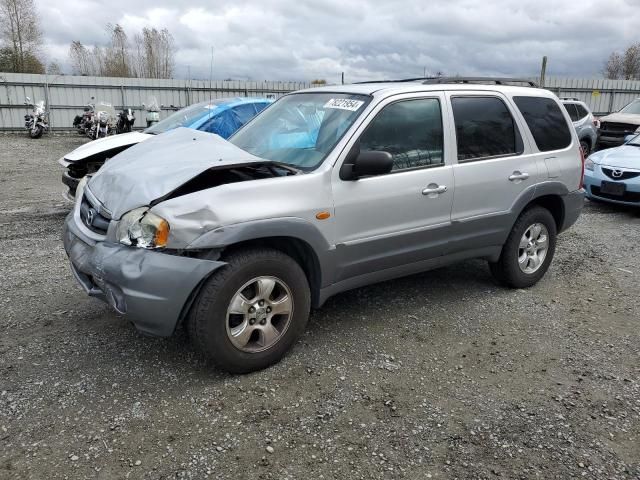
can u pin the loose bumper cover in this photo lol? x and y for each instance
(152, 289)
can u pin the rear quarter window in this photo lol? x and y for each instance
(546, 122)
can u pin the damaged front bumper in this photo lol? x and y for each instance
(152, 289)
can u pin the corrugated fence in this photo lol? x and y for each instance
(65, 96)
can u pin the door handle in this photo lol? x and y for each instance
(518, 176)
(434, 190)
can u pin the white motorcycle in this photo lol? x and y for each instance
(36, 122)
(153, 111)
(103, 120)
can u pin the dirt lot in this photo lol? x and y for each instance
(440, 375)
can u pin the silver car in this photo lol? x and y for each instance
(326, 190)
(584, 122)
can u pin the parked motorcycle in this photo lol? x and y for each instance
(153, 111)
(126, 118)
(83, 122)
(36, 122)
(102, 121)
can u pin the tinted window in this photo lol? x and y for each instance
(546, 122)
(484, 128)
(582, 112)
(572, 111)
(411, 131)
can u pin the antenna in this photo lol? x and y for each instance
(210, 80)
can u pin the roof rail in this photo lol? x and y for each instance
(479, 80)
(571, 99)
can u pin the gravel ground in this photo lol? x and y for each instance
(439, 375)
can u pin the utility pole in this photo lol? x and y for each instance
(342, 78)
(543, 71)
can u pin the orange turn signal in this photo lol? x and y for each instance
(323, 215)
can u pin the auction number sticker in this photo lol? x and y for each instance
(344, 104)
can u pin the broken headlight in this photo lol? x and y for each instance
(141, 228)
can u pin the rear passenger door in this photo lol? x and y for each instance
(494, 168)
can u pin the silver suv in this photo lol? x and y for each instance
(326, 190)
(584, 123)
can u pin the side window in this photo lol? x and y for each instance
(582, 112)
(484, 128)
(572, 111)
(546, 122)
(410, 130)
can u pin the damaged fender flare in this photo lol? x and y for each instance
(292, 227)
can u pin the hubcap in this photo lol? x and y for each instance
(533, 248)
(259, 314)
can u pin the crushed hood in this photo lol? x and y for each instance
(105, 144)
(158, 166)
(622, 118)
(625, 156)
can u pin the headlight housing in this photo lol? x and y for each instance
(141, 228)
(589, 165)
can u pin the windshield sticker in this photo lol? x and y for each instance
(344, 104)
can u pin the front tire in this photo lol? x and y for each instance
(528, 251)
(37, 133)
(249, 313)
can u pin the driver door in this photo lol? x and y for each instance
(402, 217)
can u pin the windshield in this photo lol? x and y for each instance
(633, 108)
(182, 118)
(301, 129)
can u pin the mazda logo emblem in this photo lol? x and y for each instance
(617, 173)
(91, 214)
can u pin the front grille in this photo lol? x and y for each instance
(623, 175)
(617, 129)
(92, 218)
(626, 197)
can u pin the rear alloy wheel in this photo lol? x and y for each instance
(528, 251)
(251, 311)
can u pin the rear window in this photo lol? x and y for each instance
(582, 112)
(484, 128)
(572, 111)
(546, 122)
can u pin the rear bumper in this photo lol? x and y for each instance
(151, 289)
(573, 204)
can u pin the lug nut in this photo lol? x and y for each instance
(261, 302)
(252, 321)
(251, 310)
(263, 321)
(268, 309)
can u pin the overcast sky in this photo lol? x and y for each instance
(367, 39)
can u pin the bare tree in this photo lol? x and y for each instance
(20, 34)
(54, 69)
(155, 51)
(625, 66)
(118, 60)
(82, 61)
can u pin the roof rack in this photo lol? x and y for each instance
(571, 99)
(479, 80)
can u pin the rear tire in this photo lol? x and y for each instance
(221, 324)
(526, 255)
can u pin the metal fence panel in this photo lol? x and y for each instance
(66, 95)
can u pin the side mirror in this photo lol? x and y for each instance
(628, 138)
(367, 164)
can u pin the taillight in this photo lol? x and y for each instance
(582, 159)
